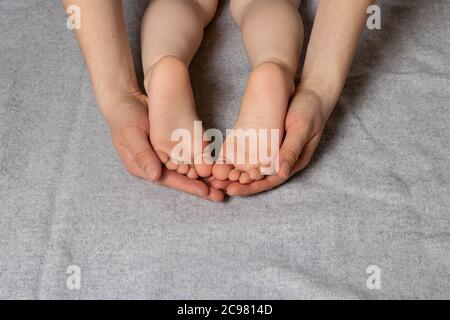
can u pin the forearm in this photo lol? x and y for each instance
(104, 43)
(334, 38)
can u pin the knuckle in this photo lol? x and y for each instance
(293, 154)
(141, 158)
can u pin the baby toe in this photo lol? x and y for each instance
(255, 174)
(162, 156)
(203, 164)
(183, 168)
(234, 175)
(245, 178)
(221, 171)
(192, 173)
(268, 169)
(170, 165)
(204, 170)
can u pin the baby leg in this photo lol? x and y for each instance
(272, 32)
(171, 34)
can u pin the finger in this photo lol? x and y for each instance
(291, 149)
(130, 164)
(136, 141)
(219, 184)
(174, 180)
(182, 183)
(216, 195)
(307, 154)
(208, 180)
(268, 183)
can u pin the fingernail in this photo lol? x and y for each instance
(286, 169)
(151, 174)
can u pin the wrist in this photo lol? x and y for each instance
(127, 109)
(327, 91)
(109, 95)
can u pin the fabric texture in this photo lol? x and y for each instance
(376, 193)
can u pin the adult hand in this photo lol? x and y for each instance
(305, 122)
(127, 118)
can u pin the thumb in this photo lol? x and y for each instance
(290, 150)
(137, 142)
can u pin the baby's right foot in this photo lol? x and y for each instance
(171, 107)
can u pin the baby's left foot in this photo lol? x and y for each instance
(263, 112)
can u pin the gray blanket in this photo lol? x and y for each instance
(376, 194)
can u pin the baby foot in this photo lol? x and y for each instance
(263, 111)
(172, 107)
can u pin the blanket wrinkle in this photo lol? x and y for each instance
(55, 195)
